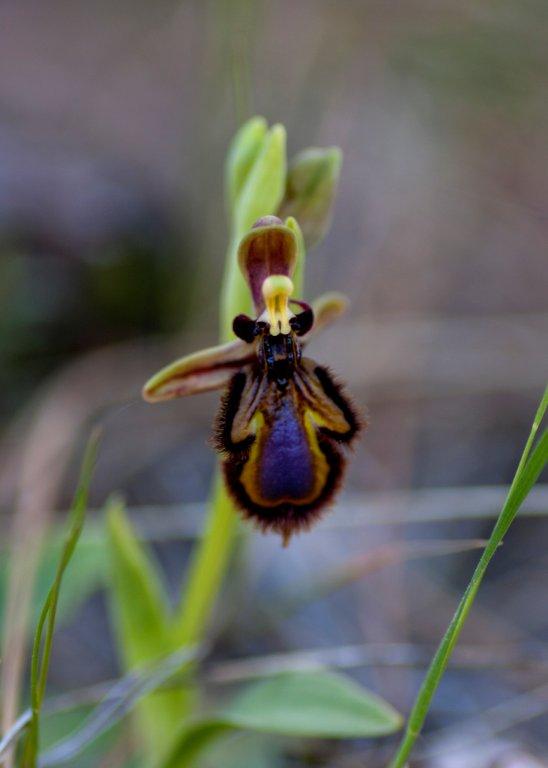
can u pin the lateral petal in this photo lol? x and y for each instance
(201, 371)
(327, 308)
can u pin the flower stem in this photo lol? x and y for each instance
(211, 555)
(207, 568)
(255, 177)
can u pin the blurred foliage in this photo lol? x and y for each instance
(55, 307)
(45, 628)
(296, 704)
(83, 577)
(141, 620)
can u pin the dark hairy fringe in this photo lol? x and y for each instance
(221, 438)
(335, 391)
(286, 519)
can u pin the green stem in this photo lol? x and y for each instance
(211, 556)
(526, 475)
(255, 183)
(207, 568)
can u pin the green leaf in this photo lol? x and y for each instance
(312, 182)
(139, 602)
(313, 704)
(244, 749)
(296, 704)
(141, 619)
(194, 740)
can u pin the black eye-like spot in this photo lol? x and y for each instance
(302, 322)
(245, 328)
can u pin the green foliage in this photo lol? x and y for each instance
(294, 704)
(53, 729)
(244, 748)
(529, 468)
(139, 602)
(312, 704)
(141, 618)
(94, 728)
(82, 577)
(41, 651)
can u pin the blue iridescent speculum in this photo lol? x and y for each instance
(284, 421)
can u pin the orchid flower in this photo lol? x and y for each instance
(284, 421)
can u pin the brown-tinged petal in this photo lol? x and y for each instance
(333, 409)
(329, 307)
(326, 308)
(200, 372)
(270, 248)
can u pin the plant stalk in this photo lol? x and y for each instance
(208, 567)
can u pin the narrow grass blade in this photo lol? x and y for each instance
(529, 468)
(43, 639)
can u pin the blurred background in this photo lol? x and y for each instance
(115, 118)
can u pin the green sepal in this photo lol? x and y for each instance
(298, 275)
(257, 190)
(312, 181)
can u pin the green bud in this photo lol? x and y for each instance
(255, 182)
(312, 181)
(243, 151)
(265, 182)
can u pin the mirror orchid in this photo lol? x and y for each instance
(285, 422)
